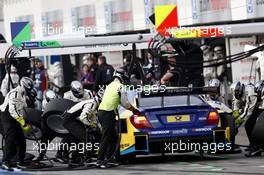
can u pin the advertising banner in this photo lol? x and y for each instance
(242, 70)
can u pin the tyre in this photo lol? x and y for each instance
(257, 133)
(33, 117)
(52, 120)
(128, 158)
(60, 105)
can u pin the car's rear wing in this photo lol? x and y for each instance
(169, 91)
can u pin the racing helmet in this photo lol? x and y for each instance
(259, 88)
(237, 89)
(121, 75)
(27, 84)
(77, 89)
(205, 49)
(214, 83)
(57, 64)
(50, 95)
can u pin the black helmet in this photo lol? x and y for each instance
(259, 87)
(121, 74)
(237, 89)
(77, 89)
(27, 84)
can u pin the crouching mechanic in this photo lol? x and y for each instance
(80, 120)
(215, 97)
(76, 94)
(114, 95)
(14, 124)
(246, 107)
(217, 101)
(49, 95)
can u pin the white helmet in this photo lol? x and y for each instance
(57, 64)
(27, 84)
(77, 89)
(50, 95)
(214, 83)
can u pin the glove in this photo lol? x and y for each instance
(93, 125)
(25, 127)
(238, 122)
(236, 114)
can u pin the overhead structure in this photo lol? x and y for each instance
(124, 42)
(80, 45)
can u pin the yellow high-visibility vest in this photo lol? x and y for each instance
(111, 98)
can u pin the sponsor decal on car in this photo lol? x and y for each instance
(160, 132)
(203, 118)
(201, 129)
(182, 131)
(125, 145)
(154, 121)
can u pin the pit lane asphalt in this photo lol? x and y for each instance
(182, 164)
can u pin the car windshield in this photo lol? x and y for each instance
(170, 101)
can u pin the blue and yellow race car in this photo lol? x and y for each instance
(176, 116)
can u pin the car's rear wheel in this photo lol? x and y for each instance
(257, 133)
(128, 158)
(33, 117)
(52, 121)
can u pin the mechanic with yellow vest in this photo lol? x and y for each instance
(115, 95)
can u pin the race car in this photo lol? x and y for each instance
(178, 115)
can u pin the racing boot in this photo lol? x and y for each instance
(236, 149)
(6, 166)
(112, 163)
(61, 158)
(248, 148)
(40, 157)
(20, 166)
(103, 165)
(77, 162)
(254, 152)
